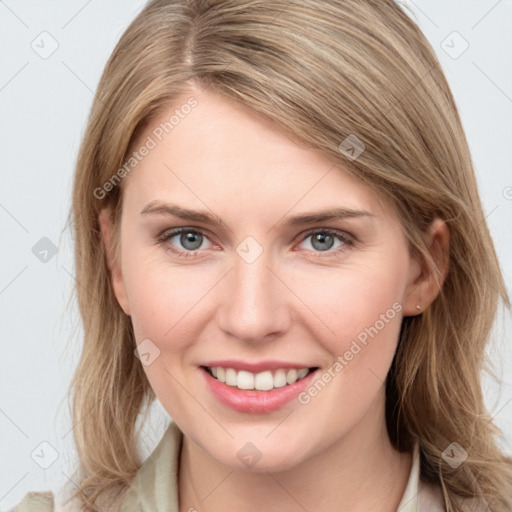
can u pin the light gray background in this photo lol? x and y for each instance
(44, 104)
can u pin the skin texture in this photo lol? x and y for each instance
(295, 302)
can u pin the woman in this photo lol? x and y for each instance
(279, 237)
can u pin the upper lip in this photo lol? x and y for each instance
(255, 367)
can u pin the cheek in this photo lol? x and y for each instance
(165, 298)
(361, 307)
(162, 300)
(170, 305)
(165, 305)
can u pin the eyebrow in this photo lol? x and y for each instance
(157, 207)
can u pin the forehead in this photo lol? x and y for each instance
(221, 153)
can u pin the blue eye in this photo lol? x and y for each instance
(323, 241)
(190, 239)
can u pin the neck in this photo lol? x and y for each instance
(362, 471)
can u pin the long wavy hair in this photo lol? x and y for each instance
(324, 70)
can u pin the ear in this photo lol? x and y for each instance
(425, 281)
(116, 277)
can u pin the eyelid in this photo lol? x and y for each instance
(178, 229)
(334, 231)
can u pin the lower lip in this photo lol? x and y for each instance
(254, 401)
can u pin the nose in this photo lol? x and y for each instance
(254, 302)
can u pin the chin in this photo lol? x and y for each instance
(257, 454)
(270, 463)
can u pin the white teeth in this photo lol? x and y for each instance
(302, 373)
(280, 379)
(231, 379)
(291, 376)
(245, 380)
(263, 381)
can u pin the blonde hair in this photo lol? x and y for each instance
(323, 70)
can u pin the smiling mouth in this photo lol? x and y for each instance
(262, 381)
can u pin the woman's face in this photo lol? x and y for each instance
(255, 282)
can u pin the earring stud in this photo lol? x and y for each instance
(418, 307)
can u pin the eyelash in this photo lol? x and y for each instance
(342, 236)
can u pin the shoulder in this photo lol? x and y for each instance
(430, 498)
(48, 501)
(36, 502)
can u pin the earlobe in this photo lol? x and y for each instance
(427, 277)
(116, 277)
